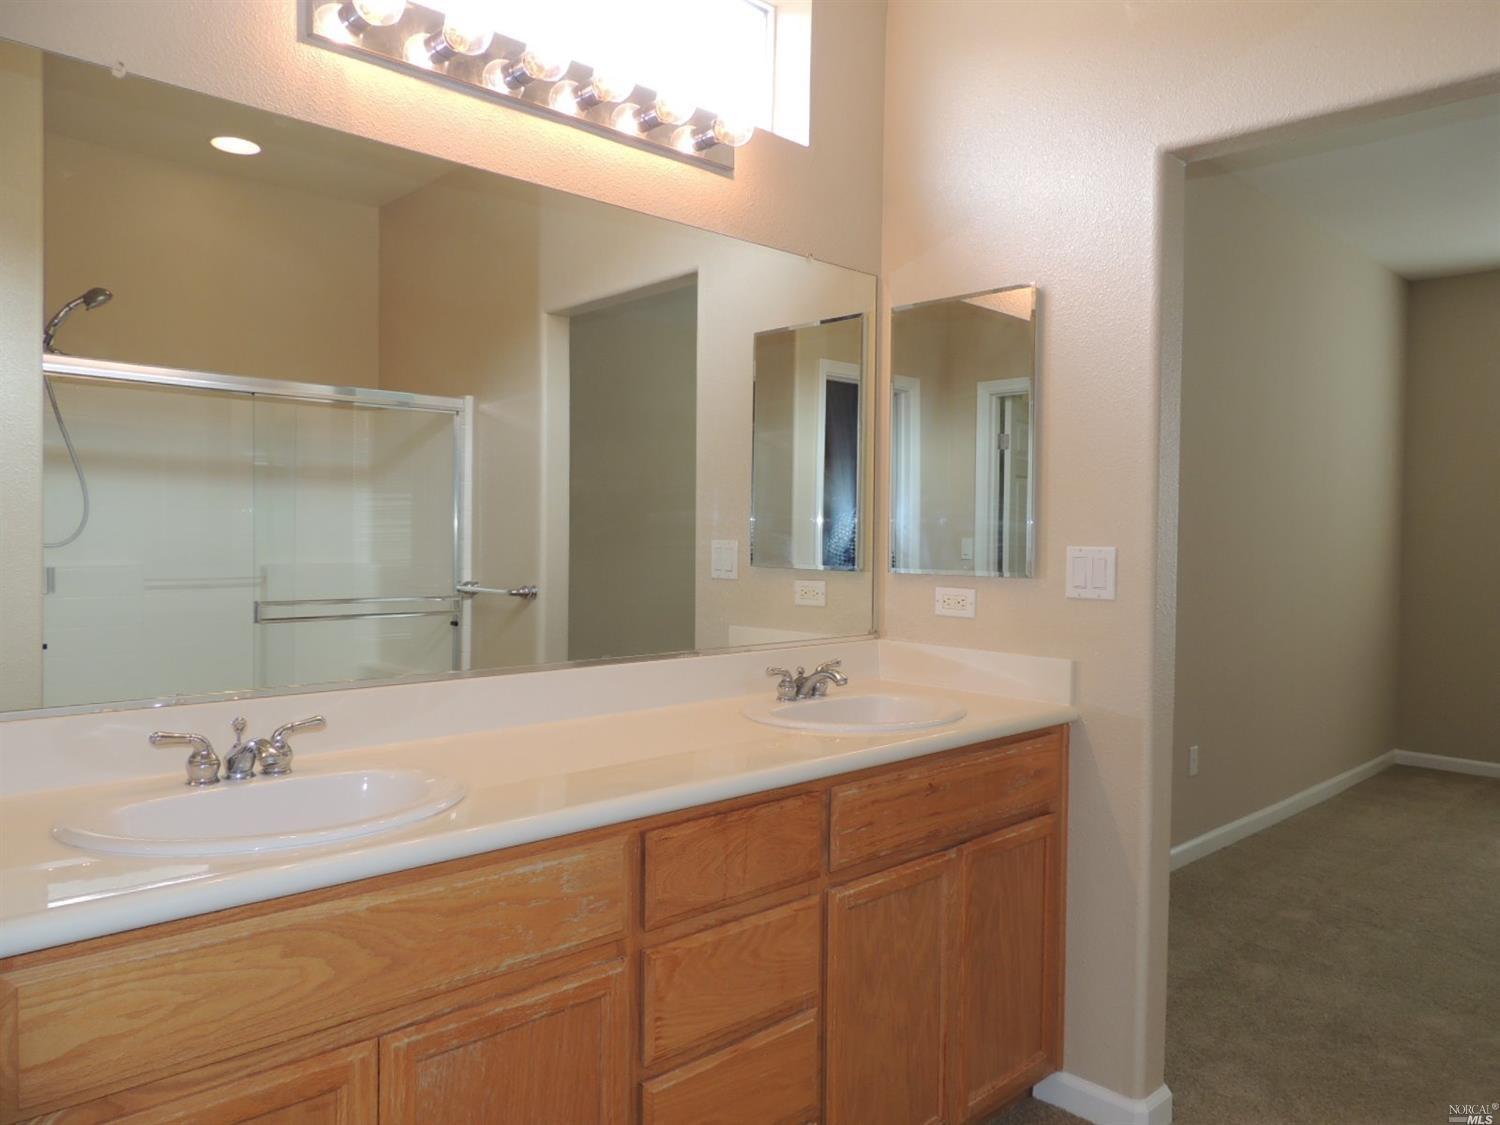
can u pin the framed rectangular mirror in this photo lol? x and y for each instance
(963, 435)
(330, 411)
(809, 421)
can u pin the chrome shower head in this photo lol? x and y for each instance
(91, 299)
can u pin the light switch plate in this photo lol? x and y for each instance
(724, 558)
(1091, 573)
(809, 592)
(966, 547)
(954, 601)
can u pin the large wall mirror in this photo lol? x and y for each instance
(963, 435)
(334, 411)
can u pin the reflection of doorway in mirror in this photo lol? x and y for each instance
(906, 473)
(836, 499)
(1002, 527)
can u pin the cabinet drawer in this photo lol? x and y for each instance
(769, 1079)
(73, 1026)
(734, 977)
(934, 806)
(728, 857)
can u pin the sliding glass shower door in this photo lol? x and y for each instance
(355, 541)
(218, 533)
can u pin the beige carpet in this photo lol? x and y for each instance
(1341, 966)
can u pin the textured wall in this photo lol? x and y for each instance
(1289, 533)
(1450, 602)
(1025, 141)
(20, 389)
(823, 200)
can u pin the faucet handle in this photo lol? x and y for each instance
(202, 763)
(276, 758)
(828, 666)
(786, 687)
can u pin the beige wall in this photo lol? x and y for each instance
(461, 254)
(1060, 179)
(21, 401)
(248, 51)
(1289, 527)
(633, 447)
(209, 272)
(1450, 602)
(592, 254)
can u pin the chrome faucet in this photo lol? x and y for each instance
(273, 755)
(202, 763)
(802, 684)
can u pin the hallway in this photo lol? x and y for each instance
(1342, 965)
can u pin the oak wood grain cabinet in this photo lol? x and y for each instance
(890, 995)
(883, 946)
(555, 1055)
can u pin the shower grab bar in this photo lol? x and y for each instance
(442, 605)
(469, 589)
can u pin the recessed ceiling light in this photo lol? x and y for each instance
(235, 146)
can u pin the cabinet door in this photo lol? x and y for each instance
(1009, 991)
(336, 1088)
(554, 1055)
(891, 948)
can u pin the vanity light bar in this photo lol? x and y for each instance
(464, 53)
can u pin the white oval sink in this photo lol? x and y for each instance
(858, 714)
(263, 814)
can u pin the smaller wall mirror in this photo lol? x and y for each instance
(963, 435)
(806, 468)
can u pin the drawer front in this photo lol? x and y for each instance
(728, 857)
(739, 976)
(75, 1025)
(934, 806)
(769, 1079)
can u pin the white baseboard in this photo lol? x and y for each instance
(1236, 830)
(1102, 1106)
(1444, 762)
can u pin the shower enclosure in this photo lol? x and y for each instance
(248, 533)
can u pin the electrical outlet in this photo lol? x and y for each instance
(954, 601)
(808, 592)
(1192, 761)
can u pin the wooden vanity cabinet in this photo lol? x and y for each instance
(877, 947)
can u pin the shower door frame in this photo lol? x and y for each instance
(105, 370)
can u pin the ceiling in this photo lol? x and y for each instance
(88, 103)
(1418, 193)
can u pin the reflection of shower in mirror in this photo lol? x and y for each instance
(88, 301)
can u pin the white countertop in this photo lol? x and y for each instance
(524, 783)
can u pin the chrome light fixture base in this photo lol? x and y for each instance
(334, 25)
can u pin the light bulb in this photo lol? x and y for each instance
(606, 86)
(684, 139)
(494, 74)
(543, 65)
(563, 97)
(626, 117)
(666, 110)
(420, 49)
(329, 23)
(466, 34)
(379, 13)
(732, 132)
(345, 20)
(530, 67)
